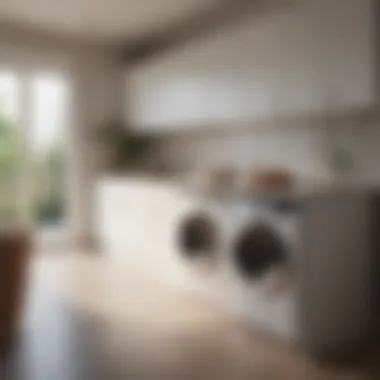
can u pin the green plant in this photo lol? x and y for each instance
(9, 146)
(48, 171)
(128, 148)
(49, 168)
(341, 160)
(9, 162)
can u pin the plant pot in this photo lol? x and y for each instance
(14, 258)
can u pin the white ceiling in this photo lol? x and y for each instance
(103, 20)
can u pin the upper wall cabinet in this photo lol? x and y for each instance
(344, 35)
(308, 56)
(166, 92)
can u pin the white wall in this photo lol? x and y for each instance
(302, 149)
(97, 94)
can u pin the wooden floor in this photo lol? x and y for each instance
(88, 319)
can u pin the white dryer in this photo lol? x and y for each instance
(197, 243)
(258, 260)
(301, 267)
(159, 229)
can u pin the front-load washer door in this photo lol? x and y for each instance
(257, 249)
(197, 236)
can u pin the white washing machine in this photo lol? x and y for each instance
(301, 267)
(197, 242)
(138, 222)
(303, 270)
(260, 245)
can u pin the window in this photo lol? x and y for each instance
(33, 125)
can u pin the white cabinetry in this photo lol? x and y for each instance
(345, 39)
(136, 220)
(166, 93)
(310, 56)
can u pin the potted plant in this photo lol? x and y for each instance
(14, 254)
(127, 149)
(338, 155)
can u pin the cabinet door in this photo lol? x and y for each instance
(255, 70)
(166, 93)
(313, 55)
(345, 39)
(295, 70)
(228, 76)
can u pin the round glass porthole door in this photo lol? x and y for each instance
(197, 235)
(257, 249)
